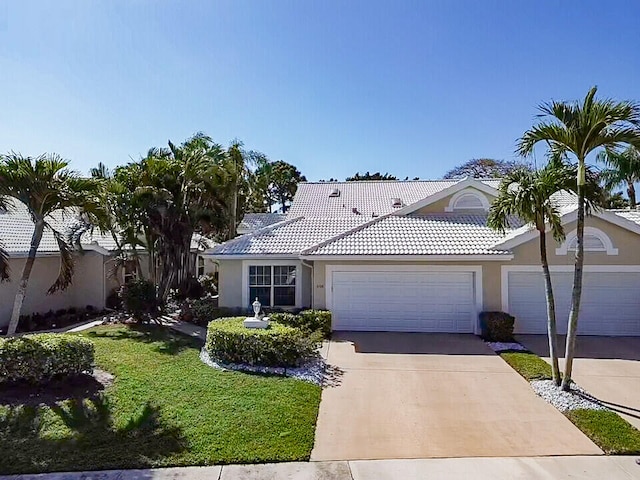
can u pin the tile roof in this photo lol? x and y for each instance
(434, 234)
(369, 197)
(255, 221)
(16, 229)
(631, 215)
(288, 237)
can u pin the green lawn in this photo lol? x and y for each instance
(612, 433)
(527, 364)
(164, 408)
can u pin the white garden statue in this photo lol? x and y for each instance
(257, 321)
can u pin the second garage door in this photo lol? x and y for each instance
(403, 301)
(610, 303)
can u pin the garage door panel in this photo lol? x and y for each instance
(610, 303)
(403, 301)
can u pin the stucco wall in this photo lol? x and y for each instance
(627, 243)
(230, 283)
(87, 287)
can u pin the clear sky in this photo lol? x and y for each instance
(334, 87)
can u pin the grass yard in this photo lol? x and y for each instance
(612, 433)
(527, 364)
(165, 408)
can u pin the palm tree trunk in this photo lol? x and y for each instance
(234, 212)
(631, 192)
(577, 288)
(552, 330)
(24, 280)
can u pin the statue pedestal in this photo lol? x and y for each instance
(252, 322)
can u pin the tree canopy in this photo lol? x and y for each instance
(371, 176)
(484, 168)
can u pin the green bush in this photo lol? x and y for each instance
(229, 341)
(41, 357)
(497, 326)
(203, 310)
(139, 298)
(309, 321)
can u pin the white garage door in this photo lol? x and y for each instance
(403, 301)
(610, 302)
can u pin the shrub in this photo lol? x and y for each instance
(308, 321)
(277, 346)
(203, 310)
(209, 283)
(41, 357)
(139, 298)
(497, 326)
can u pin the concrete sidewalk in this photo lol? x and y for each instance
(529, 468)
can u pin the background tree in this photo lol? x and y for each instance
(623, 168)
(45, 186)
(579, 129)
(371, 176)
(614, 200)
(483, 168)
(283, 184)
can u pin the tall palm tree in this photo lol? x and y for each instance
(45, 186)
(527, 194)
(579, 129)
(623, 168)
(4, 256)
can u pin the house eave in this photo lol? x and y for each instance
(412, 258)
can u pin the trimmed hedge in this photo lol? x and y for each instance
(42, 357)
(309, 321)
(229, 341)
(497, 326)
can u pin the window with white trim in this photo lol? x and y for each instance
(130, 270)
(594, 240)
(273, 285)
(468, 199)
(200, 266)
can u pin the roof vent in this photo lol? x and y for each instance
(397, 203)
(334, 193)
(355, 210)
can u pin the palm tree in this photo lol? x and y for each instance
(579, 129)
(623, 169)
(4, 256)
(527, 194)
(45, 186)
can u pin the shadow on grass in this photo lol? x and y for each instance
(50, 393)
(80, 434)
(616, 407)
(169, 343)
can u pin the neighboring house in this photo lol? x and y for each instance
(92, 279)
(417, 256)
(255, 221)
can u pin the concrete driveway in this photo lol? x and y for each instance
(408, 395)
(606, 367)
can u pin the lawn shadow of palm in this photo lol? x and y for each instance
(168, 343)
(91, 440)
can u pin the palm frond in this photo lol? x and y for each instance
(4, 265)
(65, 273)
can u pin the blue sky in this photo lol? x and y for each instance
(334, 87)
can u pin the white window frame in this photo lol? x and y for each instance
(467, 191)
(200, 264)
(609, 249)
(271, 263)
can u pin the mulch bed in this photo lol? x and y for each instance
(79, 387)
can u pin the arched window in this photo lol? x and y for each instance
(468, 199)
(595, 240)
